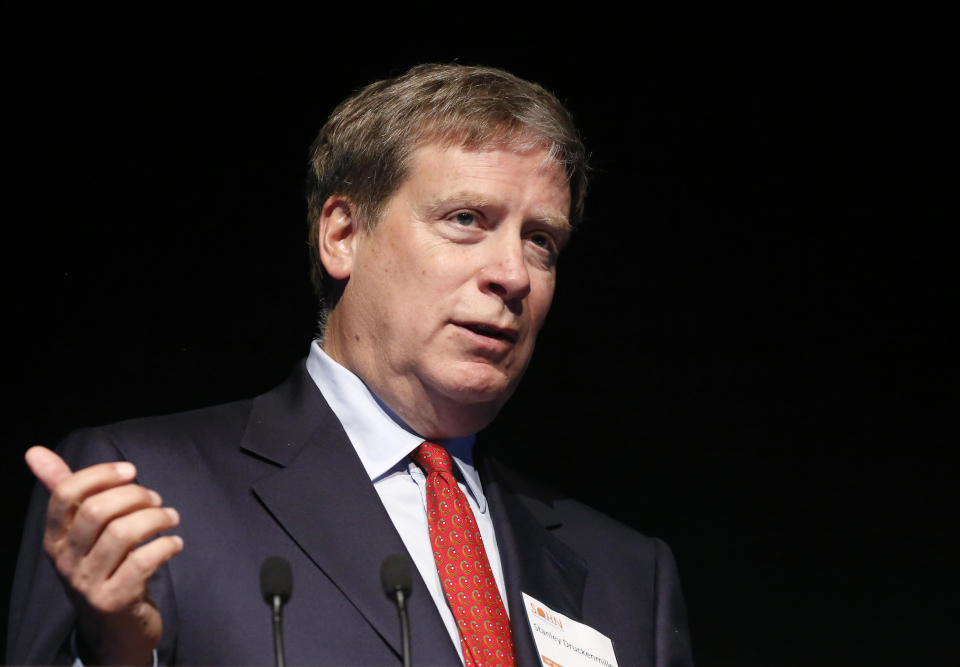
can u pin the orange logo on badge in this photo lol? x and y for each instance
(552, 619)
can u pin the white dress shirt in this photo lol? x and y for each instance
(383, 443)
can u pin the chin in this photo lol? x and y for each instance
(478, 385)
(470, 401)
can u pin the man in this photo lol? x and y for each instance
(439, 202)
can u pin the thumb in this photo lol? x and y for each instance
(46, 466)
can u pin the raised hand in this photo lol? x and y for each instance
(97, 525)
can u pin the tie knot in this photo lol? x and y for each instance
(432, 458)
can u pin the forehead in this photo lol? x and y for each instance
(518, 175)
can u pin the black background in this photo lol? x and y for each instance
(747, 355)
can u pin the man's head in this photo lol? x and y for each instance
(439, 204)
(363, 151)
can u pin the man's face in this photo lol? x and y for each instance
(446, 295)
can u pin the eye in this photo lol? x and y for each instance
(465, 218)
(542, 241)
(544, 246)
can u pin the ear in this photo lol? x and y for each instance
(338, 231)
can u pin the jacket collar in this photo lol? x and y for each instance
(324, 500)
(317, 467)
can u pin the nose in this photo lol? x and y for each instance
(505, 273)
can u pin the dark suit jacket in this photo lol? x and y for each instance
(276, 475)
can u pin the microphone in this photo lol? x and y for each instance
(395, 577)
(276, 585)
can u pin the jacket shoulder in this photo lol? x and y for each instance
(156, 436)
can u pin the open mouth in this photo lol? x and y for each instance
(491, 332)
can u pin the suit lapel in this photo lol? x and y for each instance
(534, 560)
(324, 500)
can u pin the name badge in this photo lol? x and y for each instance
(563, 642)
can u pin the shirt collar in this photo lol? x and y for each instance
(381, 439)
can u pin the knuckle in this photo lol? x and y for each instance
(140, 562)
(117, 532)
(90, 510)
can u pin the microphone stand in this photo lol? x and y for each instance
(277, 617)
(404, 626)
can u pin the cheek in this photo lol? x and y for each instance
(541, 296)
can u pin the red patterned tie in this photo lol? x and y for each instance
(462, 563)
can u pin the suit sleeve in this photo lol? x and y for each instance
(671, 634)
(42, 619)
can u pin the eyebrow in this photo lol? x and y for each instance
(476, 200)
